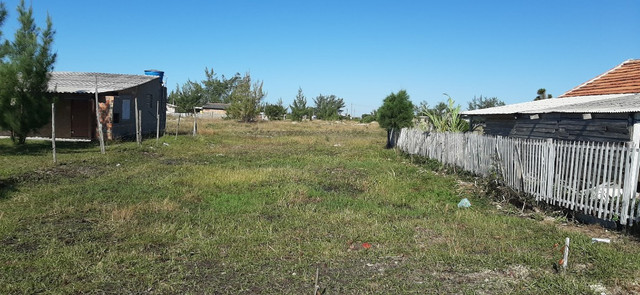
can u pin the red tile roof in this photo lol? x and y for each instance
(624, 78)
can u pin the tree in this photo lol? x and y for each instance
(368, 118)
(395, 113)
(328, 107)
(481, 102)
(439, 110)
(25, 64)
(542, 94)
(187, 97)
(448, 119)
(421, 109)
(299, 107)
(245, 99)
(275, 111)
(218, 89)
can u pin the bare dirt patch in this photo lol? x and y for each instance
(484, 281)
(49, 174)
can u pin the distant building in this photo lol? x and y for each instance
(171, 108)
(214, 110)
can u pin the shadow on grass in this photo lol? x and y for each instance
(39, 148)
(6, 186)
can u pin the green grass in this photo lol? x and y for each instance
(257, 208)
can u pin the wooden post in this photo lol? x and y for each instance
(551, 159)
(178, 126)
(53, 131)
(316, 288)
(565, 257)
(137, 121)
(635, 130)
(157, 122)
(195, 122)
(631, 183)
(140, 126)
(100, 134)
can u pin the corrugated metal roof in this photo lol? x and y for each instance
(78, 82)
(216, 106)
(611, 103)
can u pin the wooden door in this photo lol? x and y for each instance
(80, 118)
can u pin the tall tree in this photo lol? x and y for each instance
(187, 97)
(328, 107)
(395, 113)
(481, 102)
(218, 89)
(246, 99)
(299, 107)
(24, 75)
(542, 94)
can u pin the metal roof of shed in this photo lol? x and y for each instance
(79, 82)
(216, 106)
(610, 103)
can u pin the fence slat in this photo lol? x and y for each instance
(599, 179)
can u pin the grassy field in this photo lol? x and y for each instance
(259, 208)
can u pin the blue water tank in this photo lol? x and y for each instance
(154, 73)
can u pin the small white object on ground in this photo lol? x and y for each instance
(464, 203)
(600, 240)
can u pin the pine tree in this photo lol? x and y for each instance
(395, 113)
(299, 107)
(328, 107)
(187, 97)
(24, 76)
(246, 99)
(542, 94)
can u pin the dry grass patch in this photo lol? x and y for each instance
(131, 212)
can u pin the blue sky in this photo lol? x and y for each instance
(358, 50)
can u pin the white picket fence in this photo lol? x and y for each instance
(598, 179)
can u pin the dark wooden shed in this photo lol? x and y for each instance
(605, 109)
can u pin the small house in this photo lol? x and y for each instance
(605, 109)
(171, 108)
(119, 96)
(214, 110)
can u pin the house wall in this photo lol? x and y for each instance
(500, 125)
(64, 103)
(212, 113)
(69, 123)
(148, 95)
(601, 127)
